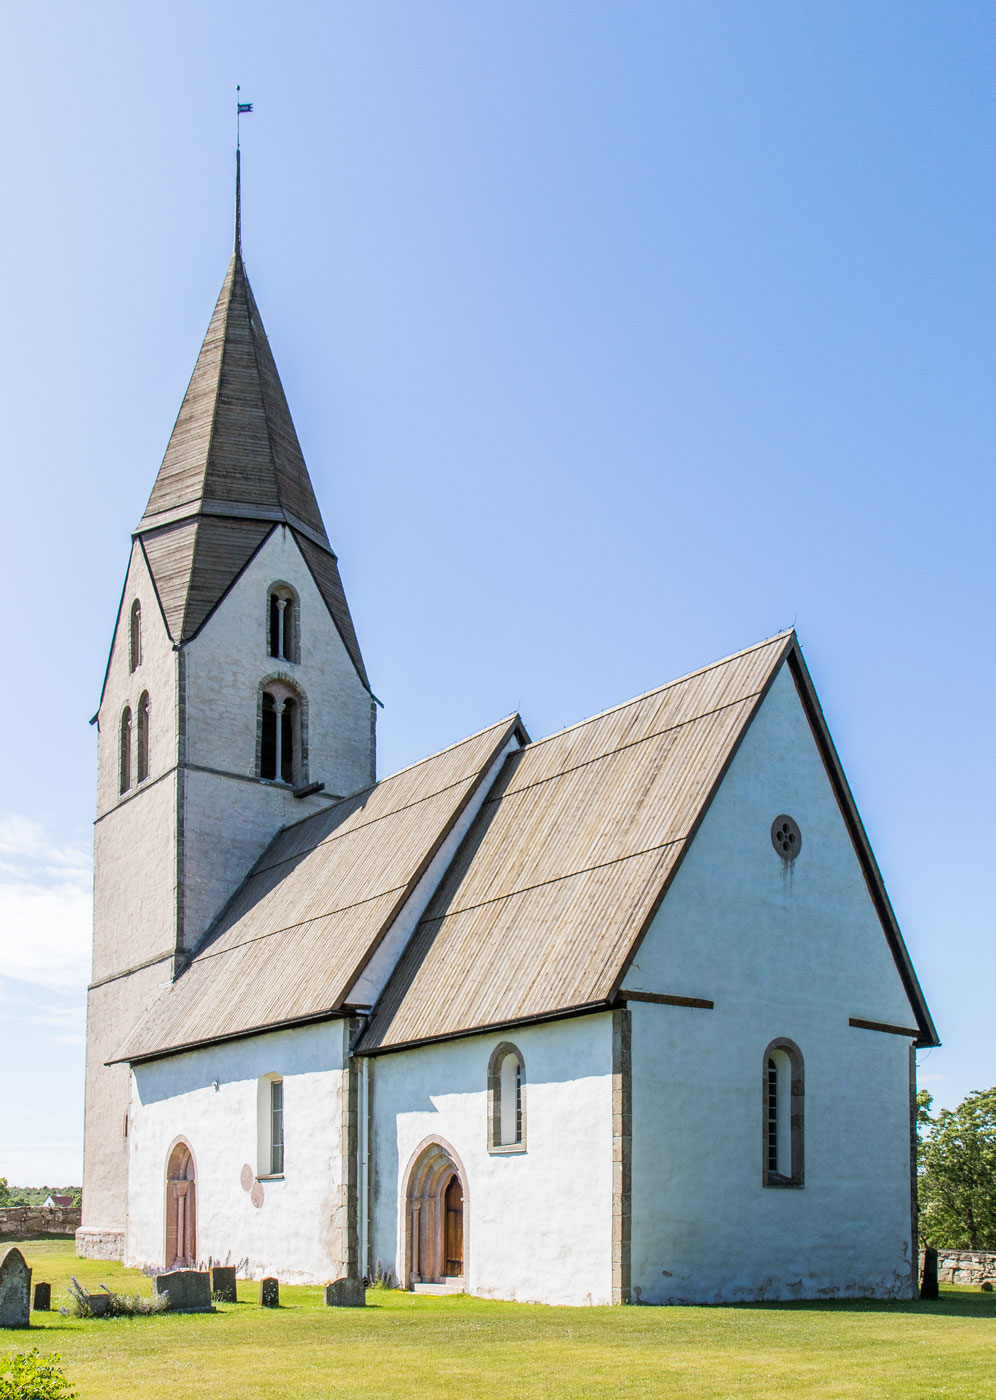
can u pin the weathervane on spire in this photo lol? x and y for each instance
(240, 109)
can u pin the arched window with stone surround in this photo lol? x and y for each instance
(142, 737)
(124, 756)
(506, 1099)
(783, 1119)
(135, 636)
(283, 623)
(281, 733)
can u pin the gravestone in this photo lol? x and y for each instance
(928, 1278)
(99, 1304)
(269, 1293)
(345, 1293)
(15, 1288)
(223, 1287)
(43, 1297)
(189, 1290)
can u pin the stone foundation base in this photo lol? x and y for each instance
(94, 1243)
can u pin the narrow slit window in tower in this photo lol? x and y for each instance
(125, 754)
(142, 756)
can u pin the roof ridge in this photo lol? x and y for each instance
(668, 685)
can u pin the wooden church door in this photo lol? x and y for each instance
(453, 1234)
(181, 1209)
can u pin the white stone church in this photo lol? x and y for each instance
(622, 1014)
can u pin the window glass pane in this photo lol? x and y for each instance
(277, 1126)
(508, 1088)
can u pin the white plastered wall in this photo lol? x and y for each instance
(134, 906)
(783, 949)
(209, 1098)
(537, 1224)
(227, 660)
(228, 822)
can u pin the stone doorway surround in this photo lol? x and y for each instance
(180, 1250)
(432, 1168)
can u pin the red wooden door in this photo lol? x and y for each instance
(453, 1203)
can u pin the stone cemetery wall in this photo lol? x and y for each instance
(23, 1222)
(965, 1266)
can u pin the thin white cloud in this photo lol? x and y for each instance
(45, 907)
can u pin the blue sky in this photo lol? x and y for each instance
(617, 336)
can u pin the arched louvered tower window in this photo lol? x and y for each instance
(135, 636)
(281, 756)
(283, 623)
(142, 736)
(124, 764)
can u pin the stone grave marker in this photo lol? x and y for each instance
(43, 1297)
(345, 1293)
(15, 1288)
(223, 1284)
(928, 1278)
(269, 1293)
(189, 1290)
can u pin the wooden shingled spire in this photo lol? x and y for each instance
(233, 470)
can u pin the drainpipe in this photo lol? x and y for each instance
(364, 1146)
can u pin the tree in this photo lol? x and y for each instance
(957, 1173)
(4, 1192)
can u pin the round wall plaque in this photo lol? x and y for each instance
(248, 1177)
(256, 1194)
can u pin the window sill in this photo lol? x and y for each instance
(275, 1176)
(783, 1185)
(507, 1149)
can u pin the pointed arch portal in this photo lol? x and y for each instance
(435, 1203)
(181, 1207)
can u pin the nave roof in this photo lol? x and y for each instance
(297, 933)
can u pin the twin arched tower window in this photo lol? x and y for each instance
(134, 744)
(283, 623)
(281, 736)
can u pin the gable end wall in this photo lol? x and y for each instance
(782, 949)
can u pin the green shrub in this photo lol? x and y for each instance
(31, 1376)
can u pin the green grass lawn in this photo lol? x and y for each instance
(459, 1348)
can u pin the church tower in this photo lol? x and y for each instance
(235, 702)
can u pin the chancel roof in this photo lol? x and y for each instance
(312, 912)
(574, 848)
(233, 469)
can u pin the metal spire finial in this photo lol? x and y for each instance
(240, 108)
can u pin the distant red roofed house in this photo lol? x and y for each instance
(57, 1201)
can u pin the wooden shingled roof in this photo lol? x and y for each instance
(298, 932)
(562, 871)
(233, 469)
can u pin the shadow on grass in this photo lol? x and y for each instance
(976, 1305)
